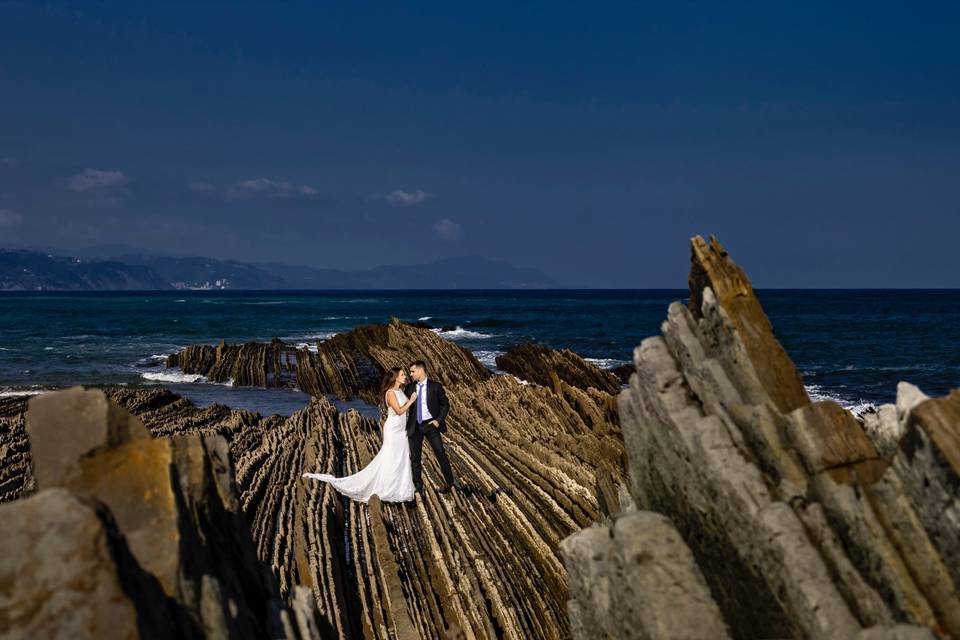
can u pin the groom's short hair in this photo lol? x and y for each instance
(419, 363)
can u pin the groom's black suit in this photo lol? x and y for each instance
(438, 407)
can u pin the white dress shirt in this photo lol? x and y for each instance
(422, 401)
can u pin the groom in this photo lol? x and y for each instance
(427, 420)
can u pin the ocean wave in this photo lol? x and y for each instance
(320, 335)
(154, 359)
(173, 376)
(424, 318)
(607, 363)
(488, 358)
(459, 333)
(310, 346)
(15, 393)
(857, 407)
(179, 377)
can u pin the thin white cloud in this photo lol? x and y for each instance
(257, 187)
(97, 180)
(448, 229)
(10, 218)
(401, 198)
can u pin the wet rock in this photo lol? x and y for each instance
(536, 363)
(623, 373)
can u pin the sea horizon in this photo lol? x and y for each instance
(851, 345)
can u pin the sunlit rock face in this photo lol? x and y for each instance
(802, 520)
(708, 499)
(538, 462)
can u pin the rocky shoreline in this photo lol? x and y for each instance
(710, 498)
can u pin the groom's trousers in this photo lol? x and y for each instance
(435, 439)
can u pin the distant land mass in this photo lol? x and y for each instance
(30, 270)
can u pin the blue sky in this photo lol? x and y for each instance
(819, 141)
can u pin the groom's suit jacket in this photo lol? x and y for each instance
(436, 403)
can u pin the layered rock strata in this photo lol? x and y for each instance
(536, 363)
(347, 365)
(538, 463)
(803, 521)
(145, 530)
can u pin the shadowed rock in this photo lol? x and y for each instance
(67, 573)
(536, 363)
(175, 504)
(800, 525)
(636, 578)
(16, 478)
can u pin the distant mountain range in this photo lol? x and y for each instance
(30, 270)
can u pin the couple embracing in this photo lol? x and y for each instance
(416, 411)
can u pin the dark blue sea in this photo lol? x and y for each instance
(850, 345)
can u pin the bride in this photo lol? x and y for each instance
(389, 474)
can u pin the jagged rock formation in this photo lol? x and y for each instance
(539, 463)
(16, 477)
(536, 363)
(348, 365)
(63, 552)
(801, 525)
(637, 579)
(120, 512)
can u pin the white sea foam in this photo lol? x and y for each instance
(312, 346)
(488, 358)
(48, 348)
(13, 393)
(459, 333)
(606, 363)
(173, 376)
(857, 407)
(424, 318)
(321, 336)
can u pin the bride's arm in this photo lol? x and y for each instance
(396, 406)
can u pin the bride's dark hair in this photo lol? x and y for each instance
(389, 379)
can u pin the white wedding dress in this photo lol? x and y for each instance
(389, 475)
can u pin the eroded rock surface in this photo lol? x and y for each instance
(538, 463)
(536, 363)
(803, 522)
(348, 365)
